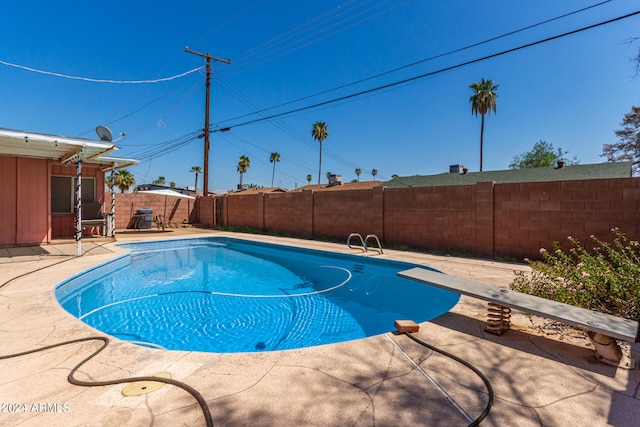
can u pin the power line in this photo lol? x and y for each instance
(298, 38)
(88, 79)
(432, 73)
(451, 52)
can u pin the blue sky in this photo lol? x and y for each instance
(572, 92)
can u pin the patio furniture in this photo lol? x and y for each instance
(92, 216)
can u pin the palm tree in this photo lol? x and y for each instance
(319, 132)
(160, 181)
(273, 158)
(309, 178)
(123, 179)
(172, 184)
(243, 164)
(358, 172)
(374, 172)
(197, 170)
(483, 101)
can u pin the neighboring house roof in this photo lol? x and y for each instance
(61, 148)
(365, 185)
(566, 173)
(256, 191)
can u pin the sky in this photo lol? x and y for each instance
(390, 78)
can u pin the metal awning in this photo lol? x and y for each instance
(61, 148)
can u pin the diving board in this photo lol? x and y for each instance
(595, 321)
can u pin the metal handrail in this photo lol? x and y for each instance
(363, 245)
(366, 239)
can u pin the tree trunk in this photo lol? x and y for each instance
(320, 165)
(273, 173)
(481, 137)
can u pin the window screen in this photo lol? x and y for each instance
(63, 193)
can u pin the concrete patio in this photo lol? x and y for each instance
(542, 374)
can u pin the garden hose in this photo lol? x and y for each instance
(484, 379)
(105, 342)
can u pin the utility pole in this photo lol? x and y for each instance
(205, 185)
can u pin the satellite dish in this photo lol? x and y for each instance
(104, 133)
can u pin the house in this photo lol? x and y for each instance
(257, 191)
(39, 175)
(364, 185)
(458, 175)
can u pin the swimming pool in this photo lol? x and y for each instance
(221, 294)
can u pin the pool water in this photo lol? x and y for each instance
(229, 295)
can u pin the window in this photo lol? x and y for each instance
(63, 193)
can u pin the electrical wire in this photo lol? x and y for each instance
(137, 109)
(88, 79)
(432, 73)
(246, 100)
(422, 61)
(295, 44)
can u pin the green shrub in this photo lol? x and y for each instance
(605, 278)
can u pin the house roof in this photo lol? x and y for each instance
(365, 185)
(256, 191)
(576, 172)
(61, 148)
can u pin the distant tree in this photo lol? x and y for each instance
(123, 179)
(483, 101)
(160, 181)
(395, 175)
(628, 146)
(319, 132)
(274, 158)
(172, 184)
(542, 155)
(309, 178)
(374, 172)
(197, 170)
(358, 172)
(243, 165)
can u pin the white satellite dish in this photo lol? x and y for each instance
(104, 133)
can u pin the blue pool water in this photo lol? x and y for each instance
(229, 295)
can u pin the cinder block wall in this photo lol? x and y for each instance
(340, 213)
(289, 213)
(245, 210)
(485, 219)
(431, 217)
(533, 215)
(127, 204)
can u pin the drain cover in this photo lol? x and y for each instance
(139, 388)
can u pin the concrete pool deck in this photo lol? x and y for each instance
(542, 374)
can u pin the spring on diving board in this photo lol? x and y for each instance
(498, 319)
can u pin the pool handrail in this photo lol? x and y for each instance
(363, 245)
